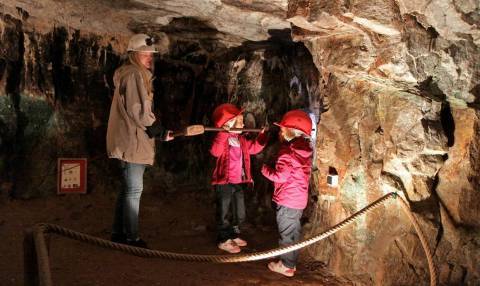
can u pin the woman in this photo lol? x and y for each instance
(132, 128)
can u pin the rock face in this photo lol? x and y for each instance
(398, 83)
(378, 139)
(400, 79)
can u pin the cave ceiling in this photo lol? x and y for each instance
(229, 22)
(428, 45)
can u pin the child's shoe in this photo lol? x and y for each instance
(240, 242)
(280, 268)
(229, 246)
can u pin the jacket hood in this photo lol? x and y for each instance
(121, 72)
(301, 147)
(125, 70)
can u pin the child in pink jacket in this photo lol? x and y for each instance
(232, 151)
(291, 177)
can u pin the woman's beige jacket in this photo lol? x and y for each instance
(130, 112)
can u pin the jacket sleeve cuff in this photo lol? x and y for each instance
(265, 171)
(156, 130)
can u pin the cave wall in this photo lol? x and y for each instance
(399, 80)
(57, 88)
(54, 95)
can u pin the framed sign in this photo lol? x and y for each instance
(72, 176)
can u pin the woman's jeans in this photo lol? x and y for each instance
(289, 228)
(229, 196)
(125, 222)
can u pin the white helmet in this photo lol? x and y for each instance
(145, 43)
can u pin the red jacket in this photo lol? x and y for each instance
(291, 174)
(220, 150)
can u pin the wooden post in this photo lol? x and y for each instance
(45, 276)
(30, 266)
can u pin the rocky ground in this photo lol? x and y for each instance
(167, 224)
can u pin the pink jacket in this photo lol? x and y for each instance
(291, 174)
(220, 150)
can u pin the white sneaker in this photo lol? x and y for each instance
(240, 242)
(229, 246)
(278, 267)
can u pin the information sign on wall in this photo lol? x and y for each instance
(72, 176)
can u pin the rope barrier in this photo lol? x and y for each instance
(421, 236)
(43, 264)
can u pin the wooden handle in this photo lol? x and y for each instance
(193, 130)
(234, 129)
(178, 133)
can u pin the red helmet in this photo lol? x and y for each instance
(297, 119)
(225, 112)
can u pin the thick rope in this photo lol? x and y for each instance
(421, 236)
(51, 228)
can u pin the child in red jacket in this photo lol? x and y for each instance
(231, 173)
(290, 177)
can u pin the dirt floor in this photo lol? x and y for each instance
(180, 222)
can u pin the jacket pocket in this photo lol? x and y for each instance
(144, 145)
(138, 136)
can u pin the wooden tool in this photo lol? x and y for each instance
(193, 130)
